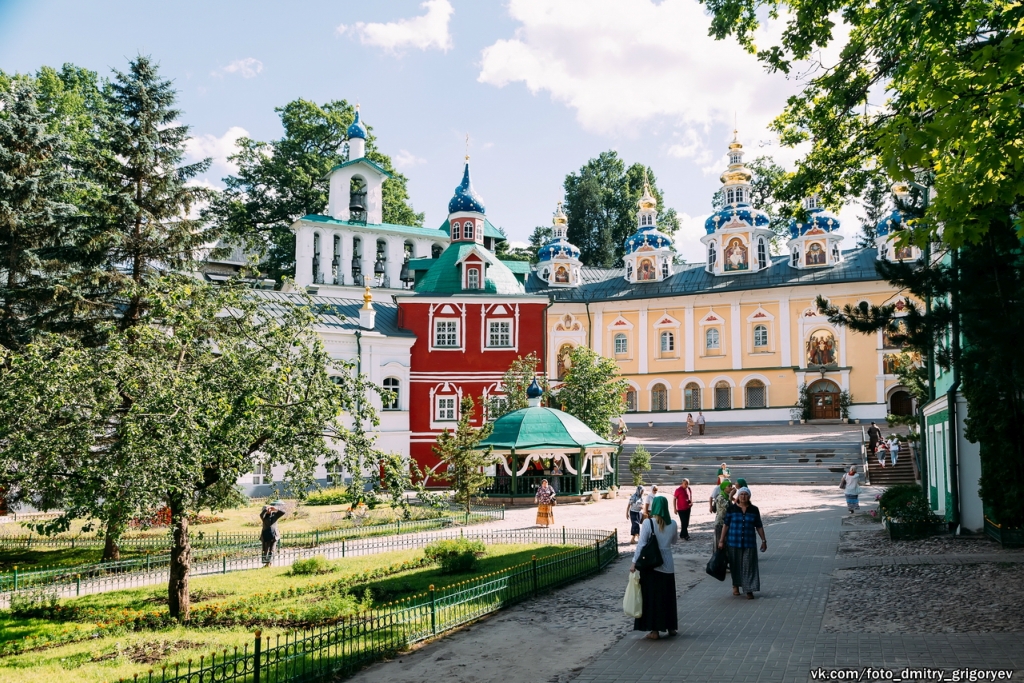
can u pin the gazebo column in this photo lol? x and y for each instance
(515, 467)
(579, 471)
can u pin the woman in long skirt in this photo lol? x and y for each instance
(742, 520)
(545, 498)
(851, 485)
(658, 585)
(634, 511)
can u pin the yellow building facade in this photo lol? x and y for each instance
(738, 336)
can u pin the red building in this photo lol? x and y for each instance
(472, 318)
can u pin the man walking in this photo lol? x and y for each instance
(683, 497)
(700, 423)
(874, 436)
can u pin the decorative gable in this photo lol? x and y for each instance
(760, 316)
(665, 320)
(620, 323)
(712, 318)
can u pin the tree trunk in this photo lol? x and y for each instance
(181, 562)
(111, 549)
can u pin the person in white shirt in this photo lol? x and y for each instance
(700, 423)
(894, 450)
(658, 584)
(647, 501)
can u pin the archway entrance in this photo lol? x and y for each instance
(824, 400)
(900, 403)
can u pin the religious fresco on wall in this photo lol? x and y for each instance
(821, 348)
(563, 360)
(904, 253)
(816, 255)
(561, 274)
(736, 255)
(645, 271)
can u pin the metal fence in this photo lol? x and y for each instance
(105, 576)
(339, 649)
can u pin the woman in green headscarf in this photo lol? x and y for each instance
(658, 585)
(721, 501)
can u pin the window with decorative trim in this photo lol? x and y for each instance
(760, 337)
(668, 342)
(446, 334)
(467, 231)
(445, 409)
(631, 405)
(762, 255)
(723, 396)
(712, 339)
(499, 333)
(691, 396)
(473, 278)
(456, 231)
(621, 344)
(756, 394)
(393, 385)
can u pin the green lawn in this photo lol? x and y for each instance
(113, 656)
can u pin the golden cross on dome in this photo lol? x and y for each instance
(467, 146)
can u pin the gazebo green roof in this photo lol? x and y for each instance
(537, 427)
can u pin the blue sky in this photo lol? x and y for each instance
(539, 85)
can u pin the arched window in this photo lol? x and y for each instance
(473, 279)
(621, 343)
(723, 396)
(762, 254)
(467, 230)
(456, 231)
(436, 250)
(760, 336)
(712, 256)
(668, 342)
(730, 196)
(392, 384)
(734, 158)
(712, 339)
(317, 275)
(756, 397)
(631, 400)
(796, 256)
(546, 275)
(659, 398)
(691, 396)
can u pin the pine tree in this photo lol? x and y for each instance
(459, 451)
(34, 215)
(874, 201)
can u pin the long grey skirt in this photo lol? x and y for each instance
(743, 563)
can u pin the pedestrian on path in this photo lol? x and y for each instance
(700, 422)
(719, 506)
(545, 499)
(894, 450)
(689, 424)
(851, 486)
(622, 429)
(634, 510)
(648, 499)
(740, 483)
(881, 452)
(270, 534)
(723, 473)
(683, 500)
(874, 436)
(658, 585)
(741, 522)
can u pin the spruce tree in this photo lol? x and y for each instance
(461, 456)
(875, 202)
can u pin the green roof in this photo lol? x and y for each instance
(445, 275)
(407, 229)
(489, 230)
(519, 267)
(536, 427)
(361, 160)
(421, 263)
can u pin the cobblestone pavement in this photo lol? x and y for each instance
(785, 635)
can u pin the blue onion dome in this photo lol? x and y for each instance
(558, 249)
(534, 390)
(465, 198)
(891, 223)
(648, 236)
(357, 129)
(744, 213)
(819, 219)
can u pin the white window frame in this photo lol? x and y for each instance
(670, 337)
(445, 411)
(468, 231)
(624, 338)
(718, 340)
(456, 231)
(764, 328)
(491, 323)
(397, 391)
(472, 277)
(259, 474)
(434, 334)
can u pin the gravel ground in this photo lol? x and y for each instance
(874, 542)
(979, 598)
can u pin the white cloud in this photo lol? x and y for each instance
(406, 159)
(218, 149)
(627, 65)
(429, 30)
(687, 237)
(246, 68)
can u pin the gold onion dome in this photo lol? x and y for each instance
(647, 201)
(737, 173)
(559, 217)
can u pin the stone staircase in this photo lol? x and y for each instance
(801, 462)
(903, 473)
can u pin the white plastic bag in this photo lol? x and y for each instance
(632, 601)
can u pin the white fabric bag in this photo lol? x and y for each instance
(632, 602)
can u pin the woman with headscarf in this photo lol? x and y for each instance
(657, 585)
(742, 521)
(545, 498)
(720, 503)
(851, 487)
(634, 510)
(723, 473)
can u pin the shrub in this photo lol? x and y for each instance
(906, 503)
(455, 556)
(639, 463)
(313, 565)
(337, 495)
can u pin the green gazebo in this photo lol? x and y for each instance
(538, 443)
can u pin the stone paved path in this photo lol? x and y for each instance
(778, 637)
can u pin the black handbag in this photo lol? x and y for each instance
(717, 565)
(650, 554)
